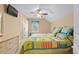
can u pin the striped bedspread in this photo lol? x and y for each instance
(46, 42)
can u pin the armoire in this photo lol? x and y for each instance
(10, 31)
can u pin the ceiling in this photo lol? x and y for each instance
(55, 11)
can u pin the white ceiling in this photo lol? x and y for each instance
(55, 11)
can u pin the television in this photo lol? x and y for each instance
(12, 11)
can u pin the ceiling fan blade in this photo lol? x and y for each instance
(36, 11)
(43, 13)
(39, 11)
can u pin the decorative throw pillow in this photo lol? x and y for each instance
(66, 30)
(57, 30)
(27, 45)
(61, 36)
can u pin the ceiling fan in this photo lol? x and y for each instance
(39, 11)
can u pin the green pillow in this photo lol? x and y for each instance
(66, 30)
(57, 30)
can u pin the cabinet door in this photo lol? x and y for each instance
(10, 46)
(1, 25)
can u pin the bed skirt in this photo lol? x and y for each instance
(68, 50)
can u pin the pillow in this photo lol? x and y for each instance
(57, 30)
(34, 38)
(27, 45)
(61, 36)
(66, 30)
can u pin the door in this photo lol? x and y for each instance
(25, 29)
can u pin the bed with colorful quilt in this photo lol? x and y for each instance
(59, 41)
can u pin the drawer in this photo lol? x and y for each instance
(9, 46)
(2, 45)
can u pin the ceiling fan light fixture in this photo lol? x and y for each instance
(39, 16)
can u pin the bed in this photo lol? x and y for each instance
(49, 43)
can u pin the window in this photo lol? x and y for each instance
(35, 26)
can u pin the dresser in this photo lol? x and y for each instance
(9, 46)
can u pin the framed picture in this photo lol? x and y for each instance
(1, 25)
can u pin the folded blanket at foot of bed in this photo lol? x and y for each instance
(29, 44)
